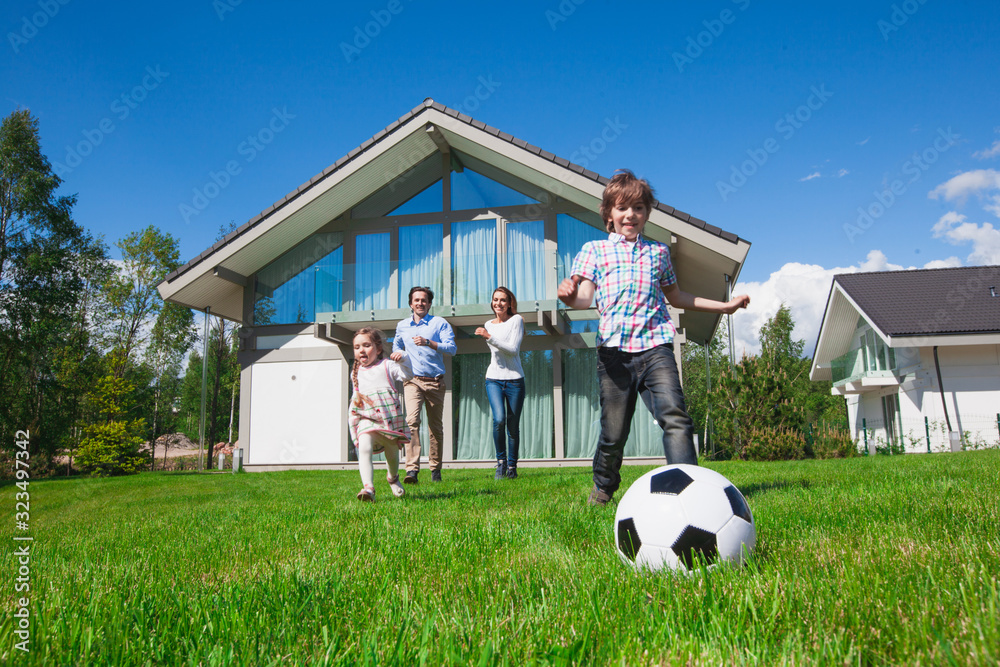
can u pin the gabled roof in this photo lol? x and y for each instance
(928, 301)
(924, 307)
(214, 277)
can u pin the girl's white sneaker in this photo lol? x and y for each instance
(397, 488)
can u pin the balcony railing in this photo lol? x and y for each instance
(870, 361)
(322, 291)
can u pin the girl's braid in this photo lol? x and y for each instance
(378, 339)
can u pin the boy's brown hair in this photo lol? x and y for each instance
(624, 187)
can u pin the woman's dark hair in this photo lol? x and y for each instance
(511, 300)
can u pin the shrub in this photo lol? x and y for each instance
(774, 444)
(833, 443)
(110, 445)
(112, 448)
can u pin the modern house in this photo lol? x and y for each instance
(916, 354)
(435, 199)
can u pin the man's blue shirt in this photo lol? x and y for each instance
(426, 360)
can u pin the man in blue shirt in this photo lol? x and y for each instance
(426, 339)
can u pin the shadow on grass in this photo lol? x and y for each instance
(751, 490)
(440, 495)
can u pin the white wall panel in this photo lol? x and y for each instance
(296, 412)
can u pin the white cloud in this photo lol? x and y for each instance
(988, 153)
(804, 289)
(864, 141)
(811, 176)
(980, 182)
(985, 239)
(842, 173)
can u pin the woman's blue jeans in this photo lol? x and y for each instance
(506, 400)
(624, 377)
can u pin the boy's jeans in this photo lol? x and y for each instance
(651, 374)
(506, 400)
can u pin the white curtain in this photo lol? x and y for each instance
(525, 260)
(475, 419)
(474, 261)
(581, 406)
(371, 271)
(537, 431)
(571, 234)
(421, 258)
(582, 411)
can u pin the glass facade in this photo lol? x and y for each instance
(307, 278)
(473, 261)
(474, 423)
(525, 260)
(572, 233)
(463, 262)
(421, 259)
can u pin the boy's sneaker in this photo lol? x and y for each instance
(501, 469)
(511, 472)
(435, 475)
(367, 494)
(411, 477)
(397, 488)
(599, 497)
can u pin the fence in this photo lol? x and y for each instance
(928, 435)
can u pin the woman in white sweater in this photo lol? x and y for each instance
(505, 379)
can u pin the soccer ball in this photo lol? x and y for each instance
(678, 515)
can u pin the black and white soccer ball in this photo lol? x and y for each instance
(678, 516)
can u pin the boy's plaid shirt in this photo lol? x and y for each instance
(629, 282)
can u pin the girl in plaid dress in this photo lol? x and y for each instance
(377, 421)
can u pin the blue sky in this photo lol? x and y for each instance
(775, 121)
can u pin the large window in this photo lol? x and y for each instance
(526, 260)
(470, 190)
(372, 271)
(474, 261)
(307, 278)
(571, 235)
(582, 411)
(474, 430)
(421, 260)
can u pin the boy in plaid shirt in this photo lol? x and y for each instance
(633, 281)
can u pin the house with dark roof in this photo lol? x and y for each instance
(916, 354)
(442, 200)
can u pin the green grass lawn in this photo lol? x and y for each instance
(884, 561)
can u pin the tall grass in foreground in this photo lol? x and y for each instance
(862, 561)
